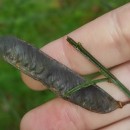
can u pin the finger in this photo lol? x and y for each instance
(32, 83)
(107, 38)
(60, 114)
(121, 125)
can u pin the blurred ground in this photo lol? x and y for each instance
(38, 22)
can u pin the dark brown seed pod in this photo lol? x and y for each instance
(55, 75)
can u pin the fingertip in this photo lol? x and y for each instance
(31, 83)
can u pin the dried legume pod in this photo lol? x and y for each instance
(56, 76)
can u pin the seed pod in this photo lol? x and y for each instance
(56, 76)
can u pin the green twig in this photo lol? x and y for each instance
(92, 76)
(85, 85)
(103, 69)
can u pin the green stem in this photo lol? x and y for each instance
(85, 85)
(92, 76)
(103, 69)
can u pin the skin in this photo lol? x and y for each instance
(108, 39)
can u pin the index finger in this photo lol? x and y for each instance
(106, 38)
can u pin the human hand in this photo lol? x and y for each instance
(107, 38)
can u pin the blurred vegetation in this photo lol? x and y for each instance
(38, 22)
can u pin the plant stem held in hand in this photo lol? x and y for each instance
(102, 68)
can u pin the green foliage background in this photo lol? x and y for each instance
(38, 22)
